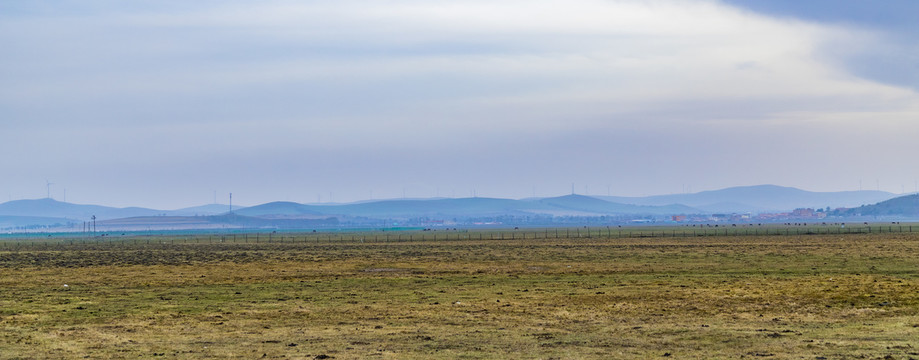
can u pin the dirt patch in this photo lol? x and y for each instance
(384, 270)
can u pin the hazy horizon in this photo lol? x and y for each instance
(235, 205)
(162, 103)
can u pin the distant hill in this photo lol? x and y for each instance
(7, 221)
(759, 198)
(441, 207)
(209, 209)
(282, 223)
(901, 206)
(225, 221)
(464, 207)
(593, 205)
(389, 208)
(755, 199)
(278, 208)
(733, 208)
(76, 212)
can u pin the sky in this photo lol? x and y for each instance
(164, 104)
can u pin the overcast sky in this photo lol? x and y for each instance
(162, 103)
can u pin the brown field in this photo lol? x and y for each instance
(835, 296)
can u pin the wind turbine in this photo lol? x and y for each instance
(48, 185)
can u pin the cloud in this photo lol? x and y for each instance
(179, 84)
(631, 50)
(888, 55)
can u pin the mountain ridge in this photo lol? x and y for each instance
(744, 199)
(761, 198)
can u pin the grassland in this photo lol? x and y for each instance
(833, 296)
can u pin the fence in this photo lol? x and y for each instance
(377, 236)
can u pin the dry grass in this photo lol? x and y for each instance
(832, 296)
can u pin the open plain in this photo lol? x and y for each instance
(818, 296)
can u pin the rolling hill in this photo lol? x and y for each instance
(596, 205)
(7, 221)
(576, 205)
(900, 206)
(209, 209)
(279, 208)
(75, 212)
(759, 198)
(754, 199)
(224, 221)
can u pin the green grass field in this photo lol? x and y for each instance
(833, 296)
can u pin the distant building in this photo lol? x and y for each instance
(773, 216)
(805, 213)
(679, 218)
